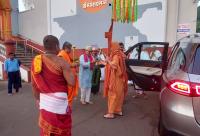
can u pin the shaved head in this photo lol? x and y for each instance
(51, 43)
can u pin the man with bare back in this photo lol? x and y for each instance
(50, 77)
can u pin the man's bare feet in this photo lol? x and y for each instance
(109, 116)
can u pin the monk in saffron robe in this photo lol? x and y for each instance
(50, 77)
(65, 54)
(115, 84)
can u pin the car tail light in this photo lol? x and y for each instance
(196, 89)
(184, 88)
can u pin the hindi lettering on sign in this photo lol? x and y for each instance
(93, 5)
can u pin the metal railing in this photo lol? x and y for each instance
(2, 51)
(29, 45)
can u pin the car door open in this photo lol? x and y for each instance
(146, 63)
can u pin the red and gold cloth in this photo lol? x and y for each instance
(47, 77)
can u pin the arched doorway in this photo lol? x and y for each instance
(5, 19)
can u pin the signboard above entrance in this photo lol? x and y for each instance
(93, 6)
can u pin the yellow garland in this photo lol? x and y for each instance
(37, 64)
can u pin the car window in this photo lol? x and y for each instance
(179, 61)
(148, 52)
(196, 65)
(134, 54)
(182, 56)
(172, 54)
(173, 57)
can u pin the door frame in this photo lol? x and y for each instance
(140, 79)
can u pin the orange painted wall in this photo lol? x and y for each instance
(5, 19)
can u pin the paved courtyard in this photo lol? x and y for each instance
(18, 116)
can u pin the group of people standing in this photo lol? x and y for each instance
(55, 82)
(90, 72)
(115, 83)
(89, 75)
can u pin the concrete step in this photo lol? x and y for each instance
(24, 54)
(20, 48)
(20, 51)
(27, 63)
(26, 59)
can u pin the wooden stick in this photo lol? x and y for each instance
(73, 52)
(108, 35)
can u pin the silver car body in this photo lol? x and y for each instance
(181, 113)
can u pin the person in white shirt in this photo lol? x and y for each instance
(144, 55)
(155, 54)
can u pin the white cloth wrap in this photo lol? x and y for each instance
(54, 102)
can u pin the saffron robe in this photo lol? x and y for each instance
(72, 90)
(115, 84)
